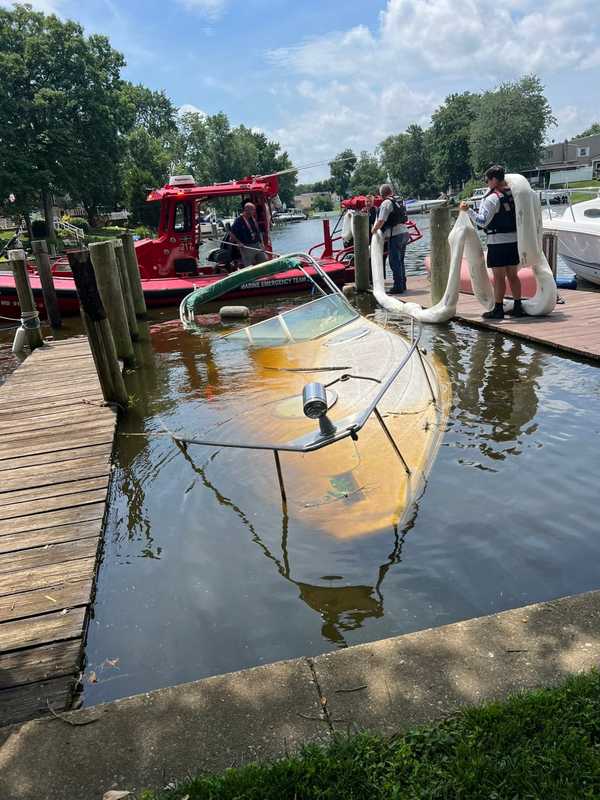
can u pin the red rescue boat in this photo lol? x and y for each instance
(169, 264)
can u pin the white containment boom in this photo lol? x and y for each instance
(465, 243)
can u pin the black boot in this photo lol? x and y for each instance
(517, 310)
(496, 313)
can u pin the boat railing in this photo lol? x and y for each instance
(593, 191)
(327, 433)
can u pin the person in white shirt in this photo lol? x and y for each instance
(496, 215)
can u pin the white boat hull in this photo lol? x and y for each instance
(579, 246)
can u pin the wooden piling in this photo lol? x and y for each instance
(42, 259)
(133, 271)
(360, 229)
(98, 329)
(550, 248)
(440, 226)
(109, 286)
(31, 322)
(126, 288)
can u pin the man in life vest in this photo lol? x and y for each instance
(391, 222)
(496, 215)
(245, 232)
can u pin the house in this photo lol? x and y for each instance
(306, 199)
(568, 161)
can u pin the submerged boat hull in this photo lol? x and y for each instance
(160, 292)
(348, 488)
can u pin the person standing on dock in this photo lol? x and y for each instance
(371, 210)
(496, 215)
(245, 232)
(391, 221)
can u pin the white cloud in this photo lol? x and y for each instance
(190, 108)
(211, 8)
(356, 86)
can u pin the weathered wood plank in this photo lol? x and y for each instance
(45, 577)
(40, 663)
(54, 535)
(40, 475)
(72, 454)
(104, 420)
(50, 554)
(36, 631)
(43, 601)
(17, 510)
(91, 397)
(44, 421)
(62, 489)
(54, 445)
(28, 702)
(65, 516)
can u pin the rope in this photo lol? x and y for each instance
(30, 320)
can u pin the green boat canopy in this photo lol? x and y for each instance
(192, 302)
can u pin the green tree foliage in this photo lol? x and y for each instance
(341, 169)
(591, 131)
(59, 108)
(214, 151)
(406, 158)
(150, 146)
(510, 125)
(450, 139)
(367, 176)
(322, 203)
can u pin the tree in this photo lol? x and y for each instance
(406, 159)
(367, 175)
(152, 111)
(146, 167)
(341, 169)
(510, 125)
(214, 151)
(322, 203)
(59, 107)
(450, 139)
(591, 131)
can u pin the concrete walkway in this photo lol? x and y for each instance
(149, 740)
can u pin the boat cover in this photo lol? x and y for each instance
(195, 299)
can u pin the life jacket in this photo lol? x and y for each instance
(397, 216)
(505, 219)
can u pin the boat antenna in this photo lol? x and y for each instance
(304, 166)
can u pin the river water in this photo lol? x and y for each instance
(199, 577)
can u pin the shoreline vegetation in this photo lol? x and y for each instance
(539, 744)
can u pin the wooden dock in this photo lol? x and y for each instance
(573, 326)
(56, 439)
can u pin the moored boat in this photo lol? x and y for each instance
(170, 264)
(578, 231)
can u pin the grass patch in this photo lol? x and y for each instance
(542, 744)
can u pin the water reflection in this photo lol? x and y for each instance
(495, 383)
(342, 608)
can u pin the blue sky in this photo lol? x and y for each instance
(321, 76)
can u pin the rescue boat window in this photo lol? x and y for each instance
(182, 218)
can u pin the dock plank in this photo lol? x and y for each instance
(56, 439)
(572, 327)
(41, 630)
(43, 601)
(40, 663)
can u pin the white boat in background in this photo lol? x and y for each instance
(578, 230)
(289, 215)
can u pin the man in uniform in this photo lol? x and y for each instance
(496, 215)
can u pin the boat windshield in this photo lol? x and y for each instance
(302, 324)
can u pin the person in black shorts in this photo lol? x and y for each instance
(496, 215)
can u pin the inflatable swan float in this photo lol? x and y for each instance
(464, 242)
